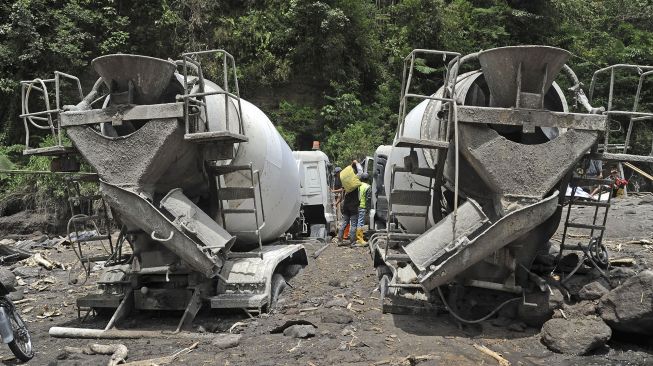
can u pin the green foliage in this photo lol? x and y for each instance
(328, 70)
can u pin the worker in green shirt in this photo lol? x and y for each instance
(364, 197)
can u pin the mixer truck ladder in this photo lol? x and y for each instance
(403, 197)
(196, 115)
(228, 193)
(594, 252)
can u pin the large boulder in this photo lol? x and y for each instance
(576, 336)
(629, 307)
(592, 291)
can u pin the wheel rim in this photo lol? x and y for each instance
(21, 334)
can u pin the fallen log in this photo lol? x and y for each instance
(502, 361)
(66, 332)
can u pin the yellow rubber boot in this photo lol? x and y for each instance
(360, 241)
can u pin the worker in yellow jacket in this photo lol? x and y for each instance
(364, 198)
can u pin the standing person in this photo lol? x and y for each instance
(364, 196)
(350, 206)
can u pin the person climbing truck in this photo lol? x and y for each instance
(364, 198)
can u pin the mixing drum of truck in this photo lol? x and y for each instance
(201, 183)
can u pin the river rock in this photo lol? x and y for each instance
(7, 278)
(629, 307)
(576, 336)
(300, 331)
(337, 317)
(224, 341)
(592, 291)
(27, 272)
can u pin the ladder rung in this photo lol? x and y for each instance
(591, 203)
(585, 226)
(238, 210)
(421, 143)
(591, 181)
(226, 169)
(235, 193)
(409, 214)
(410, 198)
(93, 238)
(427, 172)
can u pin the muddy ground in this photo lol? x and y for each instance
(336, 293)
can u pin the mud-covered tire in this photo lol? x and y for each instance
(278, 284)
(291, 270)
(21, 346)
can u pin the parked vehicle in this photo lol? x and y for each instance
(13, 330)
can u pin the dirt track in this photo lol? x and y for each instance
(346, 276)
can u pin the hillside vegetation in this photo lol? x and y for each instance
(323, 70)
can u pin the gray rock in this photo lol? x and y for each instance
(337, 302)
(576, 336)
(592, 291)
(300, 331)
(16, 295)
(7, 278)
(517, 327)
(648, 199)
(337, 317)
(619, 275)
(535, 316)
(224, 341)
(27, 272)
(629, 307)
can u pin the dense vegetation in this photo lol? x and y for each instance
(323, 70)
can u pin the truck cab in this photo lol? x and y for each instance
(318, 213)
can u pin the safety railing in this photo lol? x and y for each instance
(197, 99)
(47, 119)
(633, 115)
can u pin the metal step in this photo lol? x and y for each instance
(226, 169)
(590, 181)
(591, 203)
(215, 136)
(239, 211)
(426, 172)
(585, 226)
(410, 198)
(420, 143)
(235, 193)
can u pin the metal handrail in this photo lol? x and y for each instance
(189, 58)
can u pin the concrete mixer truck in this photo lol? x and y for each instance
(473, 186)
(200, 182)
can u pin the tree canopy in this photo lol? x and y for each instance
(326, 70)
